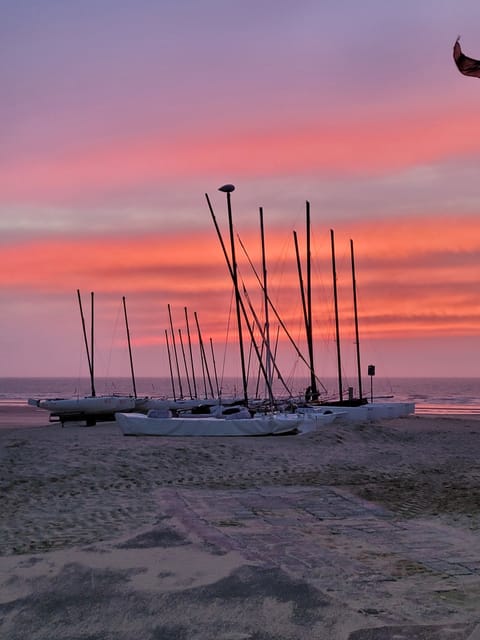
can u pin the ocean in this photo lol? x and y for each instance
(430, 395)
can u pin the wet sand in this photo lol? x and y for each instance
(358, 532)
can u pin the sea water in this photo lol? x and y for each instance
(430, 395)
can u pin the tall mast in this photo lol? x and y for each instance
(337, 328)
(87, 349)
(355, 313)
(228, 188)
(190, 353)
(174, 346)
(92, 375)
(313, 379)
(129, 346)
(259, 372)
(268, 359)
(307, 305)
(241, 304)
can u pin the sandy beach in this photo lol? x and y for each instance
(369, 531)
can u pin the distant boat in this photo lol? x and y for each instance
(89, 408)
(225, 422)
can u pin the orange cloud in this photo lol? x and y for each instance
(416, 277)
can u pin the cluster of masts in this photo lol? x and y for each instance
(313, 392)
(246, 317)
(268, 365)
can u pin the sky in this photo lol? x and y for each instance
(118, 117)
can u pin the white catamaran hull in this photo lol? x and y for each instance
(374, 412)
(138, 424)
(89, 405)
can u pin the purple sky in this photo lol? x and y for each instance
(118, 116)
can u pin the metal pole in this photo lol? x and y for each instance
(129, 347)
(185, 362)
(242, 306)
(228, 189)
(268, 360)
(92, 344)
(86, 343)
(313, 378)
(355, 312)
(371, 373)
(191, 353)
(337, 328)
(174, 344)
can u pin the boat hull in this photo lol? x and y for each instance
(374, 412)
(80, 408)
(138, 424)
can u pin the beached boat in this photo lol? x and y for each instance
(227, 421)
(375, 412)
(87, 405)
(89, 408)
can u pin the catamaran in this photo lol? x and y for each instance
(220, 421)
(88, 408)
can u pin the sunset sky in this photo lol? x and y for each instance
(117, 117)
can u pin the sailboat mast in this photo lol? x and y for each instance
(172, 379)
(355, 313)
(129, 346)
(174, 346)
(87, 349)
(92, 375)
(313, 379)
(241, 304)
(337, 327)
(268, 358)
(190, 353)
(228, 189)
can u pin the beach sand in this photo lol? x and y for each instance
(357, 532)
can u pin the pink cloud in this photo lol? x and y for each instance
(364, 147)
